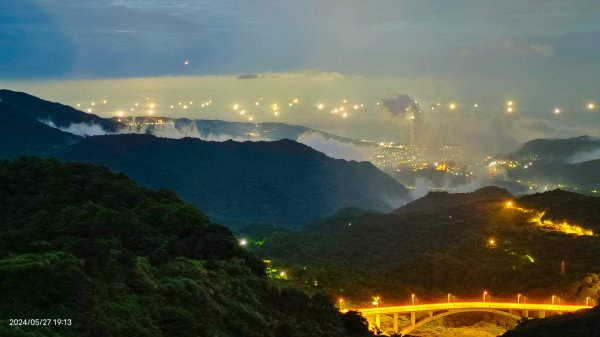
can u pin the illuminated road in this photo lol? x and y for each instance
(430, 312)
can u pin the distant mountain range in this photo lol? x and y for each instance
(281, 183)
(571, 163)
(553, 151)
(223, 130)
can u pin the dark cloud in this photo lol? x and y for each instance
(400, 105)
(247, 77)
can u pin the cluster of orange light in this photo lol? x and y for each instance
(549, 225)
(442, 167)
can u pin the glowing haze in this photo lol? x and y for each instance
(463, 61)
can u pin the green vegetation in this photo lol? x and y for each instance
(445, 247)
(581, 324)
(81, 243)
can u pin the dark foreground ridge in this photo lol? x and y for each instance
(580, 324)
(82, 244)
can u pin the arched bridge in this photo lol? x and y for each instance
(424, 313)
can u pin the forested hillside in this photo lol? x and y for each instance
(108, 258)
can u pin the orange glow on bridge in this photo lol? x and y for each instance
(421, 314)
(469, 305)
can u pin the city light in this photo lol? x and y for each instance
(591, 106)
(557, 111)
(243, 242)
(320, 106)
(452, 106)
(538, 220)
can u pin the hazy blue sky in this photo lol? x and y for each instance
(540, 53)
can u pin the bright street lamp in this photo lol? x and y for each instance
(376, 301)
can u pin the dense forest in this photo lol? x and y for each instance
(109, 258)
(580, 324)
(445, 246)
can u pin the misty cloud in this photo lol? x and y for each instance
(80, 129)
(334, 148)
(584, 156)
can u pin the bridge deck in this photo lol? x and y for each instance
(469, 305)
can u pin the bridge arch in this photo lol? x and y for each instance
(428, 319)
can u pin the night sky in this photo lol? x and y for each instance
(543, 55)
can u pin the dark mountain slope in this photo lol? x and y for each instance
(61, 115)
(441, 200)
(280, 183)
(21, 134)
